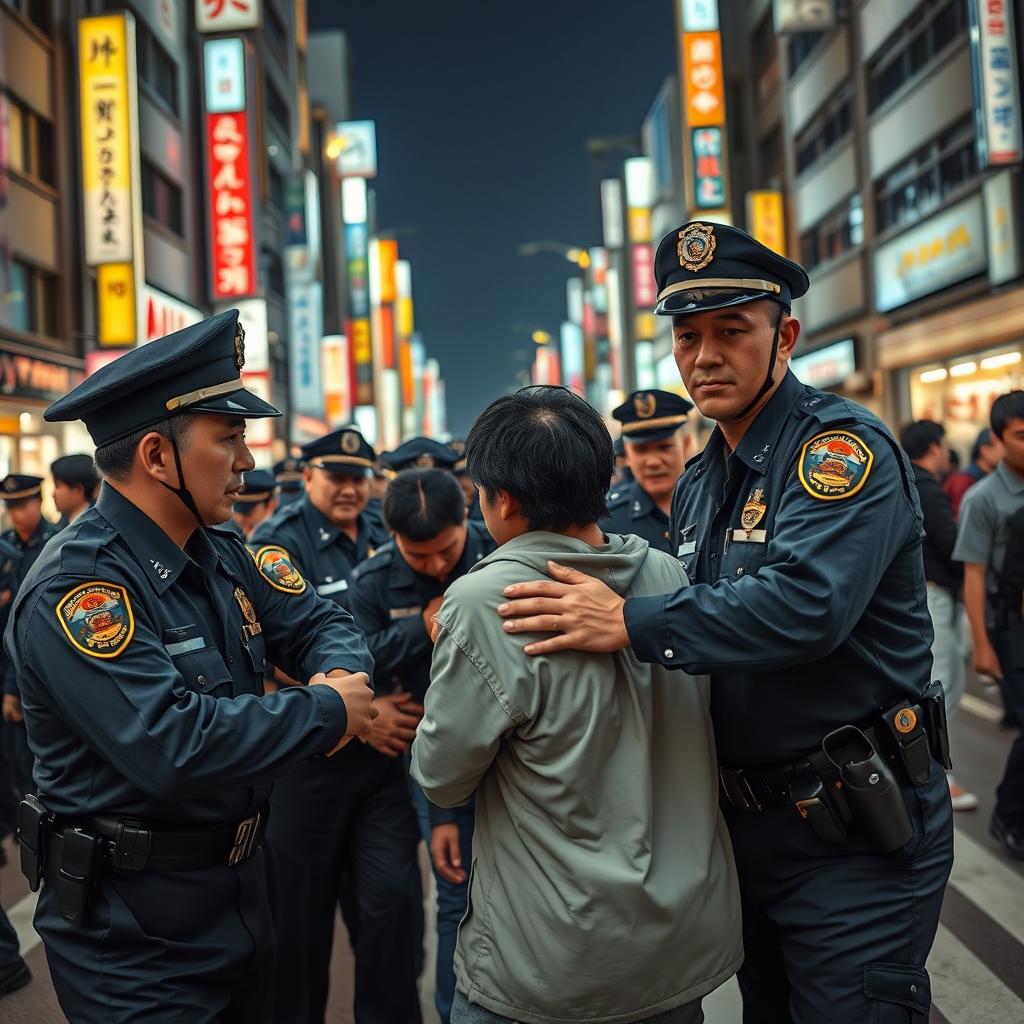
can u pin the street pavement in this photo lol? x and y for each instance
(977, 964)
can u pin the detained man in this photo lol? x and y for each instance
(595, 775)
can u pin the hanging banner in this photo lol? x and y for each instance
(705, 90)
(306, 329)
(996, 82)
(335, 374)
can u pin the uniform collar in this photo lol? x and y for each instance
(762, 437)
(403, 574)
(1011, 481)
(324, 532)
(42, 532)
(162, 559)
(643, 503)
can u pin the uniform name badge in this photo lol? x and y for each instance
(405, 613)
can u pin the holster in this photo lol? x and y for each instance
(34, 822)
(80, 857)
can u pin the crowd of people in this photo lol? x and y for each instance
(660, 716)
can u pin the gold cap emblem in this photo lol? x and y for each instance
(646, 405)
(10, 484)
(425, 462)
(350, 442)
(239, 345)
(696, 246)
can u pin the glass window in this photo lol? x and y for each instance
(829, 126)
(16, 156)
(275, 183)
(161, 199)
(36, 11)
(915, 45)
(277, 109)
(157, 68)
(29, 141)
(924, 181)
(801, 46)
(30, 299)
(836, 233)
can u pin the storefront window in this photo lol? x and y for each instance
(959, 393)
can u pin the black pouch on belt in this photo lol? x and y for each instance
(80, 854)
(871, 789)
(34, 821)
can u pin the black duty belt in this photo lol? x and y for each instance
(131, 846)
(754, 789)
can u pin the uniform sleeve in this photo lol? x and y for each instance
(977, 530)
(463, 722)
(820, 570)
(135, 711)
(395, 644)
(306, 633)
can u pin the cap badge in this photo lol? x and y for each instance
(425, 462)
(754, 510)
(239, 345)
(646, 405)
(349, 443)
(696, 247)
(10, 484)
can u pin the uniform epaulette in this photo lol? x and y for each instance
(381, 559)
(619, 497)
(828, 408)
(79, 552)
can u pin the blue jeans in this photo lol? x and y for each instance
(451, 900)
(1010, 792)
(465, 1012)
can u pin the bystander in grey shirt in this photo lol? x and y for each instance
(982, 535)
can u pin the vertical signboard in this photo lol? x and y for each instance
(360, 347)
(227, 15)
(305, 331)
(335, 374)
(356, 147)
(639, 176)
(229, 184)
(996, 83)
(111, 176)
(708, 173)
(766, 219)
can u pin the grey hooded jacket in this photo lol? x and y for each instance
(602, 886)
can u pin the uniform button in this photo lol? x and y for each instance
(739, 571)
(669, 653)
(231, 659)
(201, 680)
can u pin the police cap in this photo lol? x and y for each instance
(420, 453)
(288, 473)
(651, 415)
(195, 370)
(257, 486)
(704, 265)
(17, 487)
(340, 450)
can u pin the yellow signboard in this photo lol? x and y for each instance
(766, 218)
(115, 290)
(106, 61)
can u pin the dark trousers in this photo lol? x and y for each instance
(1010, 792)
(451, 900)
(184, 947)
(8, 942)
(16, 763)
(345, 817)
(840, 934)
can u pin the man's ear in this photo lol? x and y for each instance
(788, 334)
(154, 455)
(508, 507)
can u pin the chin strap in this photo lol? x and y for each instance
(183, 493)
(769, 379)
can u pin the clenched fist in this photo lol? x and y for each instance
(355, 691)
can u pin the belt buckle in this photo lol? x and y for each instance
(738, 790)
(246, 839)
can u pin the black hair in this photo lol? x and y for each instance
(77, 471)
(917, 437)
(115, 460)
(549, 450)
(1005, 408)
(983, 440)
(420, 503)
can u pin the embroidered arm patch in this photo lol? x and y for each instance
(97, 618)
(834, 465)
(276, 566)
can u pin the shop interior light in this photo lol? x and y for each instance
(541, 337)
(963, 369)
(1004, 359)
(931, 376)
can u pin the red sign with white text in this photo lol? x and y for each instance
(232, 242)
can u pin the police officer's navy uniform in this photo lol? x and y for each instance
(387, 599)
(341, 827)
(141, 671)
(808, 611)
(646, 416)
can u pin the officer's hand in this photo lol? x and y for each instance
(12, 708)
(584, 613)
(986, 662)
(444, 852)
(395, 729)
(429, 612)
(355, 691)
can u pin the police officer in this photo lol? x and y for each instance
(621, 474)
(256, 501)
(341, 829)
(801, 530)
(394, 597)
(288, 475)
(27, 535)
(10, 795)
(139, 639)
(655, 452)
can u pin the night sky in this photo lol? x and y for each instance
(483, 110)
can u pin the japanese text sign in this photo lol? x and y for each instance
(227, 15)
(994, 57)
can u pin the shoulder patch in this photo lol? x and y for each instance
(97, 618)
(834, 465)
(276, 566)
